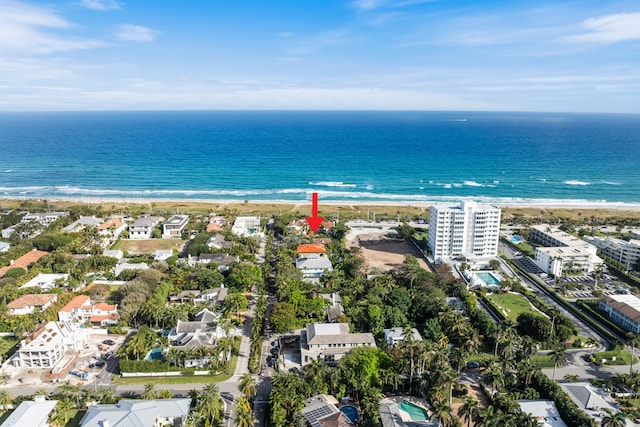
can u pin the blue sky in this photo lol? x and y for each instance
(540, 55)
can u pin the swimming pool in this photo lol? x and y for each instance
(488, 278)
(415, 412)
(351, 412)
(155, 354)
(516, 239)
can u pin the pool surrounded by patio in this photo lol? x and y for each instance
(155, 354)
(351, 412)
(415, 412)
(488, 278)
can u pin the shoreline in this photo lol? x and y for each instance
(325, 206)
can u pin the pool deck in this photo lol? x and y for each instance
(393, 416)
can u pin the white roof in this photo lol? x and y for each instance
(544, 411)
(47, 337)
(44, 279)
(30, 413)
(135, 413)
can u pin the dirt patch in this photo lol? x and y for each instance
(386, 253)
(475, 392)
(149, 246)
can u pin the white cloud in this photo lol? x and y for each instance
(610, 28)
(101, 5)
(28, 29)
(135, 33)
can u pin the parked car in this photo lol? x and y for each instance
(473, 365)
(108, 342)
(108, 354)
(274, 350)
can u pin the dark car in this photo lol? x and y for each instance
(98, 364)
(473, 365)
(274, 350)
(108, 342)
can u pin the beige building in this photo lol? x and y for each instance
(330, 341)
(624, 310)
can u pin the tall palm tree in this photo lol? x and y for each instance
(633, 340)
(613, 420)
(470, 410)
(6, 398)
(106, 395)
(247, 385)
(442, 411)
(149, 392)
(63, 411)
(210, 404)
(194, 419)
(244, 416)
(559, 358)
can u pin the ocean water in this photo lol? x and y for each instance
(508, 158)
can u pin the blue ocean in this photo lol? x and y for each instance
(507, 158)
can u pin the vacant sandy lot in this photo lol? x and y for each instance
(381, 251)
(149, 246)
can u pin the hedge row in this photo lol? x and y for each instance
(602, 318)
(146, 366)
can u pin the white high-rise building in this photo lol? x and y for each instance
(470, 229)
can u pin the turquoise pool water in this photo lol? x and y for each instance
(155, 354)
(415, 412)
(351, 412)
(516, 239)
(488, 278)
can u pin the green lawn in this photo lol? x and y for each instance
(8, 346)
(204, 379)
(542, 361)
(141, 247)
(623, 357)
(514, 304)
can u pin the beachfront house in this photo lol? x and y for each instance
(174, 226)
(82, 223)
(43, 218)
(27, 304)
(142, 228)
(247, 226)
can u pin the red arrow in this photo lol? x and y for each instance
(315, 220)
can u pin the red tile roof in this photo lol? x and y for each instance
(35, 300)
(104, 306)
(110, 223)
(96, 319)
(24, 261)
(311, 248)
(76, 302)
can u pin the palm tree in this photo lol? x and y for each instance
(63, 411)
(633, 340)
(149, 392)
(106, 395)
(495, 377)
(244, 416)
(247, 385)
(470, 410)
(194, 419)
(5, 400)
(559, 358)
(613, 420)
(210, 404)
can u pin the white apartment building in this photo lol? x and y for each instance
(172, 229)
(624, 310)
(469, 229)
(561, 253)
(626, 253)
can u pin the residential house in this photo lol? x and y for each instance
(543, 411)
(322, 411)
(142, 228)
(138, 413)
(43, 218)
(623, 309)
(4, 247)
(27, 304)
(215, 296)
(24, 261)
(330, 341)
(592, 400)
(46, 281)
(217, 241)
(162, 254)
(8, 232)
(216, 224)
(129, 266)
(224, 261)
(112, 227)
(314, 268)
(173, 227)
(81, 310)
(334, 306)
(45, 347)
(31, 413)
(246, 226)
(311, 250)
(298, 226)
(395, 336)
(114, 253)
(82, 223)
(203, 331)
